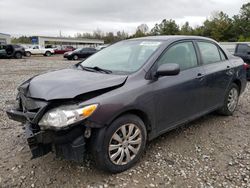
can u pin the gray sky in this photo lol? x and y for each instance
(48, 17)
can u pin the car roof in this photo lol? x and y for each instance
(172, 37)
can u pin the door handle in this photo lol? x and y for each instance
(228, 67)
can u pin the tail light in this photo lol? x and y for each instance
(246, 66)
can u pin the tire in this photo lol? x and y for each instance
(28, 54)
(110, 152)
(230, 101)
(18, 55)
(47, 53)
(75, 57)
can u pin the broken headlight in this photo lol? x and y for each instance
(63, 116)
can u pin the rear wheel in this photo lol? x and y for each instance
(48, 53)
(121, 144)
(18, 55)
(231, 100)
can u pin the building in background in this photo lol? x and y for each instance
(4, 38)
(66, 41)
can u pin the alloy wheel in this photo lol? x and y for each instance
(125, 144)
(28, 54)
(232, 99)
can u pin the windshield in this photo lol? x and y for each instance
(124, 56)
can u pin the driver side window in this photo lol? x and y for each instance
(182, 54)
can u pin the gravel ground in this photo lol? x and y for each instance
(213, 151)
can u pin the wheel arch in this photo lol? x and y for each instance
(140, 113)
(238, 83)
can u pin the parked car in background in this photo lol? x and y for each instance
(101, 47)
(79, 53)
(11, 51)
(243, 50)
(63, 50)
(129, 93)
(38, 50)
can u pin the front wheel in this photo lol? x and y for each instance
(230, 101)
(121, 144)
(28, 54)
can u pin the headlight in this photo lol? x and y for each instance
(64, 116)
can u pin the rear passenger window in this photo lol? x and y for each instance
(182, 54)
(209, 52)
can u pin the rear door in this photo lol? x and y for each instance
(218, 73)
(180, 97)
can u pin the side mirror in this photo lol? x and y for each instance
(168, 69)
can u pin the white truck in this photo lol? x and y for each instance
(38, 50)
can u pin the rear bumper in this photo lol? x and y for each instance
(68, 144)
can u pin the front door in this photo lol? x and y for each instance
(180, 97)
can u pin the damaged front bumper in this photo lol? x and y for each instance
(68, 144)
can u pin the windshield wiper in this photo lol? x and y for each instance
(95, 69)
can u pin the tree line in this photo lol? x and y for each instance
(219, 26)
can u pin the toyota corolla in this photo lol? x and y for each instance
(129, 93)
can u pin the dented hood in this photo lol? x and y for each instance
(68, 83)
